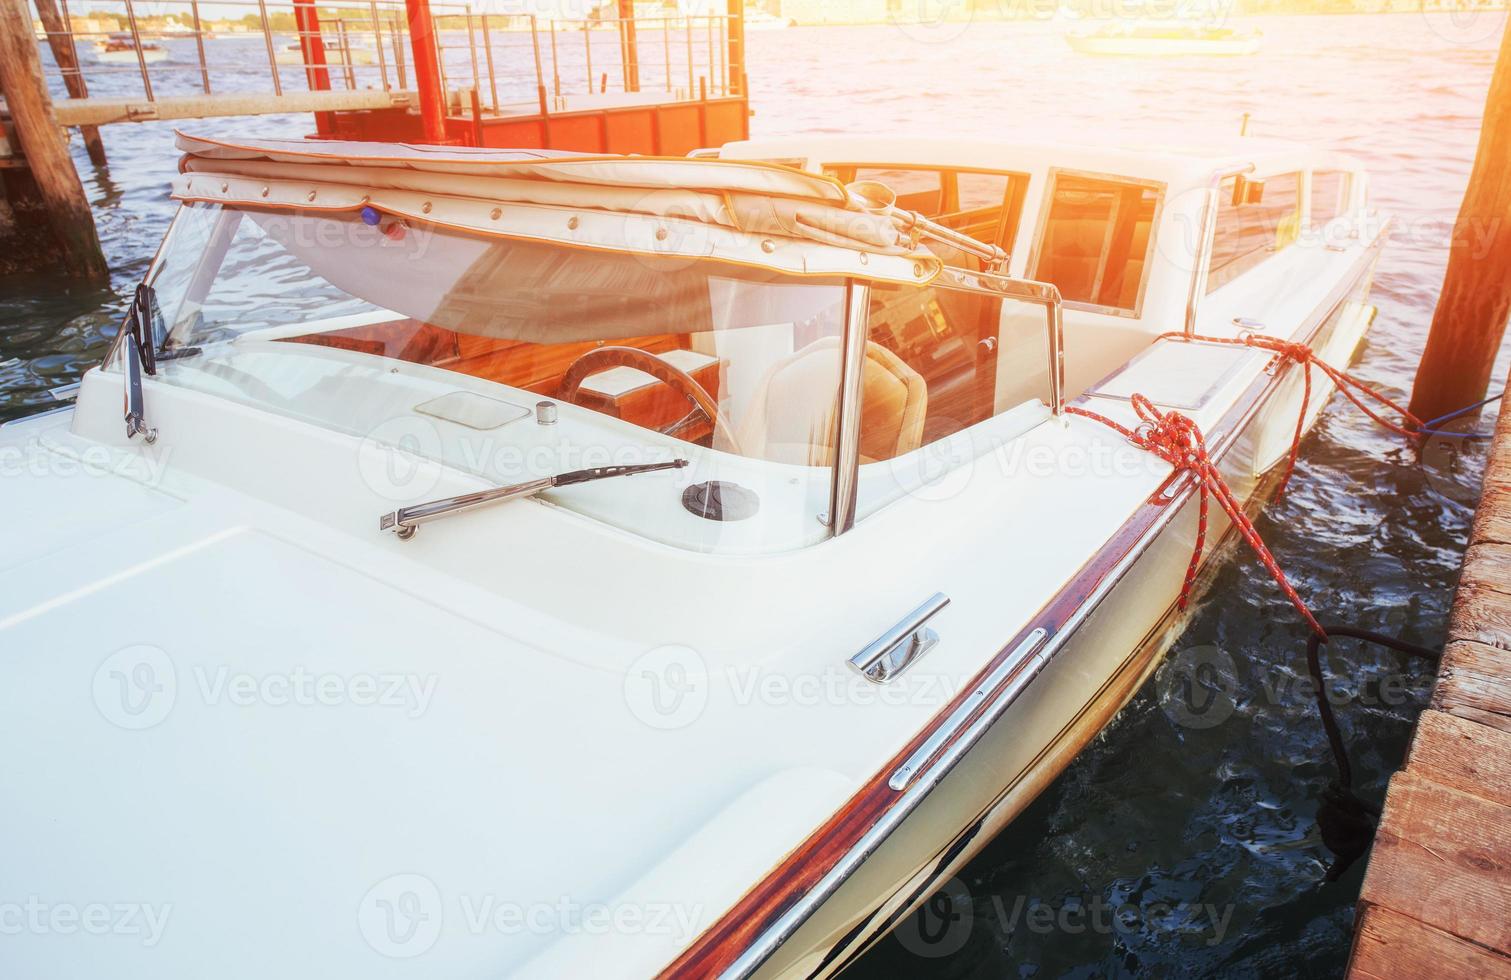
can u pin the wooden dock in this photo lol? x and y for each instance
(1437, 896)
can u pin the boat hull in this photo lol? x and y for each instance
(1100, 667)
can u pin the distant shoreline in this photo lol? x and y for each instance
(1499, 8)
(99, 22)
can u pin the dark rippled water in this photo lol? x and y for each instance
(1202, 837)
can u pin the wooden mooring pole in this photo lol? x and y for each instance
(60, 39)
(45, 146)
(1476, 299)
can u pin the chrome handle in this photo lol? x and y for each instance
(900, 647)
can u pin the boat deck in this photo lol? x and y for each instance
(1436, 897)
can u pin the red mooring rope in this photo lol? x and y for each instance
(1177, 440)
(1301, 354)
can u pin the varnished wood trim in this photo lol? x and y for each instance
(760, 909)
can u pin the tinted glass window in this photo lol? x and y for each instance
(984, 205)
(917, 190)
(1328, 189)
(950, 373)
(1096, 240)
(1248, 233)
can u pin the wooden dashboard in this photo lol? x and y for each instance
(539, 368)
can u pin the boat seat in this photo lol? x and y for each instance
(791, 416)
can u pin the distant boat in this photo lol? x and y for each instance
(176, 29)
(1165, 39)
(121, 49)
(358, 57)
(760, 20)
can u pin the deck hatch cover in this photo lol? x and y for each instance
(473, 410)
(1178, 374)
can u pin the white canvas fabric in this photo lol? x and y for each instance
(762, 199)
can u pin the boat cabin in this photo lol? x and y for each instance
(814, 354)
(1135, 240)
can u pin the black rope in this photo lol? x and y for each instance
(1347, 822)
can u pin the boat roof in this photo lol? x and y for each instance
(763, 202)
(755, 207)
(1177, 157)
(680, 173)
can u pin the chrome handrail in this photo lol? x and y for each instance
(845, 485)
(1045, 294)
(1202, 253)
(1056, 313)
(916, 763)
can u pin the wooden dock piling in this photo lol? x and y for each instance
(1476, 299)
(61, 40)
(46, 149)
(1436, 900)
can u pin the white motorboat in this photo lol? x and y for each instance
(519, 563)
(757, 19)
(122, 49)
(335, 55)
(1144, 39)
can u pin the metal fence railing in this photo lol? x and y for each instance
(126, 49)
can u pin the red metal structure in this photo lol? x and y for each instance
(427, 72)
(312, 46)
(629, 45)
(712, 108)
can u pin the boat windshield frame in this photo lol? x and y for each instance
(846, 465)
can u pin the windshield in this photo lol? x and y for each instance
(446, 343)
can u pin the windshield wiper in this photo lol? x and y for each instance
(139, 327)
(406, 520)
(136, 412)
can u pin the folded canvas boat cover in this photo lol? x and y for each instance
(757, 198)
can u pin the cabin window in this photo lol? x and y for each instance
(951, 373)
(1095, 243)
(1248, 233)
(985, 205)
(1329, 198)
(920, 190)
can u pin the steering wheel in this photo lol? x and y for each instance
(601, 359)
